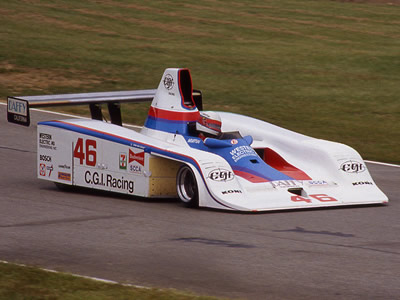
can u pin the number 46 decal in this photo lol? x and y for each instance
(87, 153)
(319, 197)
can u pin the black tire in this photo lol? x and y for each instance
(186, 187)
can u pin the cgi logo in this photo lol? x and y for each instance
(168, 82)
(221, 175)
(352, 166)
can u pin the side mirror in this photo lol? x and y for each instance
(248, 139)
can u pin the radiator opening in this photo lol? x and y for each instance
(296, 191)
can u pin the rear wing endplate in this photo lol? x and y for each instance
(18, 107)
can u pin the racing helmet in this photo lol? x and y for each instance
(209, 123)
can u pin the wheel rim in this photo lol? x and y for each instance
(186, 185)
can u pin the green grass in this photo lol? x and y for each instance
(24, 282)
(328, 69)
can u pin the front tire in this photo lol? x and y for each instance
(186, 186)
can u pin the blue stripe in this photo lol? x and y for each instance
(119, 140)
(170, 126)
(273, 174)
(128, 142)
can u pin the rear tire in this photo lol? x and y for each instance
(186, 186)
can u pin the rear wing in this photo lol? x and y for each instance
(18, 106)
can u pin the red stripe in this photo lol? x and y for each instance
(176, 153)
(173, 115)
(249, 177)
(279, 163)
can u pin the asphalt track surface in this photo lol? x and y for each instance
(344, 253)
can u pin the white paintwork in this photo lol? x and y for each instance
(321, 160)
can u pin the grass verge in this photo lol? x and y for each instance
(25, 282)
(328, 69)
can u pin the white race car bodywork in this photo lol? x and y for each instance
(287, 170)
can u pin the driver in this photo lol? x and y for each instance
(209, 125)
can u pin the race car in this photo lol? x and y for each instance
(208, 159)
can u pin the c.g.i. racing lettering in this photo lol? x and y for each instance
(108, 180)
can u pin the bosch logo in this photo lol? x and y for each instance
(352, 166)
(168, 82)
(45, 158)
(221, 175)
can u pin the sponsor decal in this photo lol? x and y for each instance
(43, 157)
(297, 183)
(139, 157)
(43, 168)
(193, 141)
(136, 161)
(242, 151)
(19, 119)
(353, 166)
(17, 107)
(108, 180)
(135, 169)
(122, 161)
(50, 169)
(221, 175)
(363, 183)
(64, 176)
(134, 145)
(64, 166)
(18, 111)
(46, 141)
(231, 192)
(168, 81)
